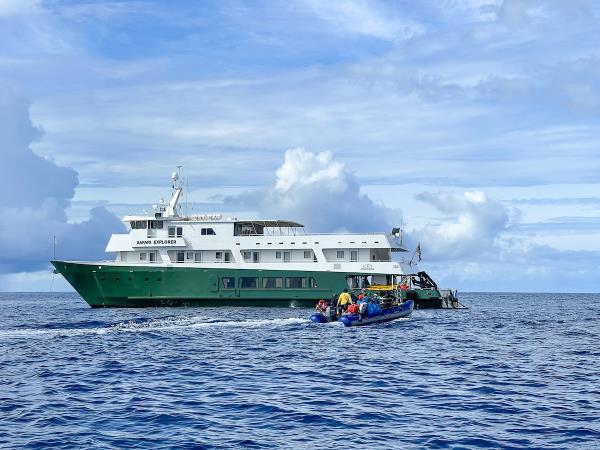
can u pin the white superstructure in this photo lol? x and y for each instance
(167, 238)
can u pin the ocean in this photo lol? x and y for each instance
(513, 371)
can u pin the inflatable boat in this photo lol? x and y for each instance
(374, 313)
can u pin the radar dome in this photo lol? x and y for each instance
(174, 176)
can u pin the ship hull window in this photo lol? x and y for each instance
(248, 283)
(295, 283)
(272, 283)
(229, 283)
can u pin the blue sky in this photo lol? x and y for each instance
(476, 122)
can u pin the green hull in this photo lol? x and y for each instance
(142, 286)
(424, 298)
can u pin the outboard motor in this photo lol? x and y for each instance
(330, 313)
(362, 308)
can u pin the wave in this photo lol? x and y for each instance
(150, 325)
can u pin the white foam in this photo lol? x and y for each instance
(152, 325)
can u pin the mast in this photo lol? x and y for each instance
(178, 189)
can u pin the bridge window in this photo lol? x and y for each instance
(272, 283)
(179, 231)
(207, 232)
(295, 283)
(155, 224)
(138, 224)
(248, 283)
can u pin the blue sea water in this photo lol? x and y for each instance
(513, 371)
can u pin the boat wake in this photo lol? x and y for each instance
(165, 324)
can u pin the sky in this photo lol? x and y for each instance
(474, 123)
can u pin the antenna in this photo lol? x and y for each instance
(401, 229)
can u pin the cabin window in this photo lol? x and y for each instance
(152, 256)
(197, 256)
(180, 257)
(228, 282)
(277, 255)
(272, 283)
(312, 283)
(227, 257)
(287, 256)
(179, 231)
(207, 232)
(295, 283)
(171, 232)
(255, 257)
(307, 254)
(143, 256)
(354, 255)
(218, 255)
(189, 256)
(340, 254)
(248, 283)
(247, 256)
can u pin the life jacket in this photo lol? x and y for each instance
(322, 305)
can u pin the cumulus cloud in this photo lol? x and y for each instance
(472, 226)
(37, 193)
(320, 192)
